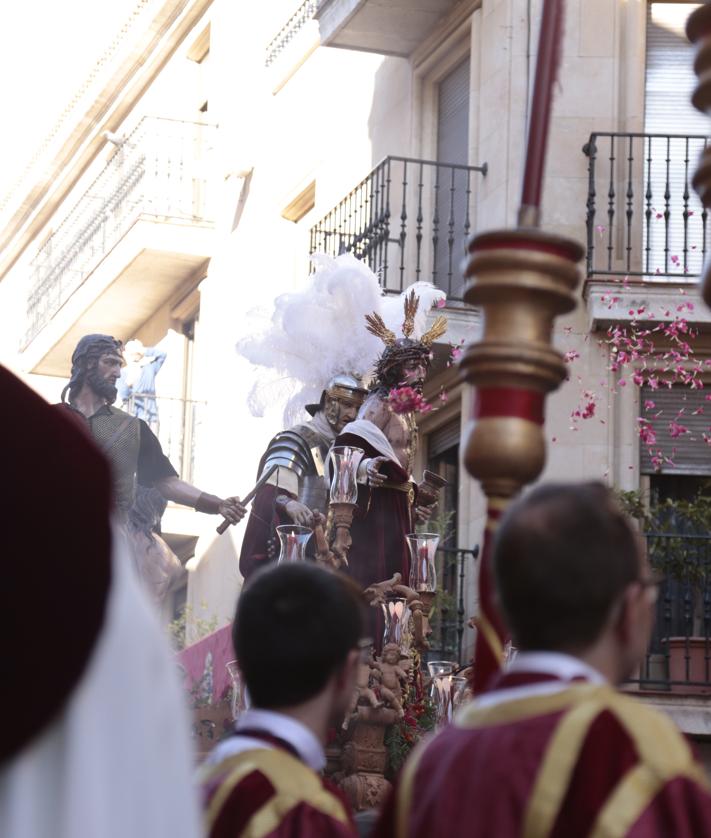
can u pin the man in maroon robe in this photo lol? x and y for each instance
(553, 749)
(296, 636)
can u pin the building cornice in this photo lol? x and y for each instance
(109, 108)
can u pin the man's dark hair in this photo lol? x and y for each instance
(563, 555)
(388, 368)
(294, 627)
(85, 356)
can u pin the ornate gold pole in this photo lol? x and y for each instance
(521, 280)
(698, 31)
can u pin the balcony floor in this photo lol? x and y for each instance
(149, 266)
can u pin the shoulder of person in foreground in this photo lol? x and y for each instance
(612, 766)
(271, 792)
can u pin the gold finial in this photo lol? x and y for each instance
(410, 304)
(436, 330)
(377, 327)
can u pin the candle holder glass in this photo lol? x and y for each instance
(238, 700)
(441, 673)
(396, 614)
(423, 570)
(344, 484)
(293, 540)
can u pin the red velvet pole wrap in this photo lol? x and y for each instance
(549, 50)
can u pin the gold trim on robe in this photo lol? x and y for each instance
(293, 781)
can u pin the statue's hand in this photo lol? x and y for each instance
(423, 513)
(299, 513)
(232, 510)
(375, 478)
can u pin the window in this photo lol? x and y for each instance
(669, 163)
(451, 188)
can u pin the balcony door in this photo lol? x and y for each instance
(452, 188)
(674, 228)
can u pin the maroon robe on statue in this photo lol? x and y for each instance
(555, 756)
(381, 522)
(260, 544)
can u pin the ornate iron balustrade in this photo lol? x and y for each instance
(157, 171)
(176, 422)
(679, 656)
(408, 220)
(643, 216)
(290, 30)
(455, 568)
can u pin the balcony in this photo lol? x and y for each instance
(679, 656)
(408, 220)
(292, 31)
(140, 232)
(178, 426)
(389, 27)
(643, 217)
(456, 569)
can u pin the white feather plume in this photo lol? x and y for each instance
(314, 334)
(393, 308)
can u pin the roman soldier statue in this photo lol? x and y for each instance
(298, 491)
(313, 355)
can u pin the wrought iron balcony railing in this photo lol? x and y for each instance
(177, 424)
(408, 220)
(679, 656)
(158, 171)
(456, 569)
(643, 217)
(289, 30)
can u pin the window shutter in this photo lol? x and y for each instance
(443, 438)
(689, 453)
(669, 82)
(453, 116)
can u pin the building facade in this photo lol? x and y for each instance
(221, 143)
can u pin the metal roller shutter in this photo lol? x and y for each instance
(443, 438)
(669, 81)
(688, 452)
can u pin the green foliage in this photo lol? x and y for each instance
(672, 520)
(199, 626)
(402, 737)
(442, 523)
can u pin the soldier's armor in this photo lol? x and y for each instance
(118, 434)
(302, 450)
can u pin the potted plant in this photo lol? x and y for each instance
(677, 535)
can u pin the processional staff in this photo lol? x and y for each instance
(521, 279)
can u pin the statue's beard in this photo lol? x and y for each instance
(101, 386)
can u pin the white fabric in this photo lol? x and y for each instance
(296, 734)
(564, 667)
(117, 762)
(372, 434)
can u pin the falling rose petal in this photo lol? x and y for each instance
(649, 404)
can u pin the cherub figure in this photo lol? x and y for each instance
(392, 677)
(363, 694)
